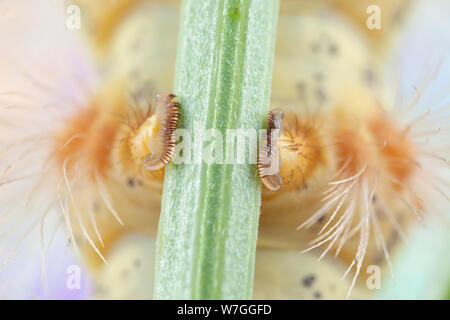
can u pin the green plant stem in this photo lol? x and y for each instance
(209, 217)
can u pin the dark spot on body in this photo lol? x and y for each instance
(100, 289)
(135, 74)
(321, 96)
(135, 45)
(301, 87)
(319, 76)
(321, 219)
(317, 295)
(131, 183)
(379, 259)
(137, 263)
(145, 90)
(333, 49)
(315, 47)
(401, 217)
(380, 214)
(369, 77)
(399, 15)
(393, 239)
(96, 206)
(79, 240)
(308, 280)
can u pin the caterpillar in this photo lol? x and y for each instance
(92, 135)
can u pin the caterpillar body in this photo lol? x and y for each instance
(353, 175)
